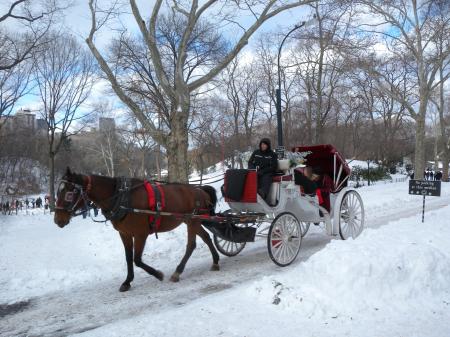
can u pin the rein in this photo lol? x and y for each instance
(204, 181)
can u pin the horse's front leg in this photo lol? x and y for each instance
(139, 244)
(128, 245)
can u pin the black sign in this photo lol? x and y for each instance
(425, 187)
(280, 152)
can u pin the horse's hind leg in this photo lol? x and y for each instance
(128, 244)
(139, 244)
(207, 239)
(192, 229)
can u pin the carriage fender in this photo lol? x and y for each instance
(337, 206)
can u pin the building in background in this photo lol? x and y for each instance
(106, 124)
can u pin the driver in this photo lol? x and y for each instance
(265, 161)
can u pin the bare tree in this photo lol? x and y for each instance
(23, 27)
(320, 64)
(243, 90)
(33, 20)
(411, 39)
(64, 77)
(442, 41)
(137, 148)
(205, 133)
(192, 67)
(13, 86)
(266, 59)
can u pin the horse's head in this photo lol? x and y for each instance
(71, 198)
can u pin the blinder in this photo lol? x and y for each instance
(71, 198)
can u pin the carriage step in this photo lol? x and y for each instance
(231, 232)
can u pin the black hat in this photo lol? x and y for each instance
(265, 141)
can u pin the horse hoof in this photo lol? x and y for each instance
(215, 267)
(175, 277)
(124, 287)
(159, 275)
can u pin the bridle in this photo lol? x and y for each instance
(69, 204)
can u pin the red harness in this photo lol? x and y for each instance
(155, 205)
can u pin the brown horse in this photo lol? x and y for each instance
(76, 191)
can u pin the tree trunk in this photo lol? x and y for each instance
(177, 147)
(419, 154)
(158, 161)
(445, 162)
(436, 154)
(241, 162)
(52, 181)
(309, 120)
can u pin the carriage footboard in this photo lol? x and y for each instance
(230, 231)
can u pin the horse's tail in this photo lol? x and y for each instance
(212, 195)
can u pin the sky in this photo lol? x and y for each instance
(77, 21)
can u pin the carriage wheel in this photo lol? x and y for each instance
(351, 215)
(284, 239)
(305, 227)
(228, 248)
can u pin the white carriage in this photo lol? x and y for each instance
(288, 212)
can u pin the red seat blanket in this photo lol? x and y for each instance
(277, 179)
(154, 221)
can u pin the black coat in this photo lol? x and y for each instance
(264, 161)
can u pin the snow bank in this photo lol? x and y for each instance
(402, 265)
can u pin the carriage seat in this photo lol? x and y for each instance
(240, 186)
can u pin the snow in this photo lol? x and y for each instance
(361, 163)
(393, 280)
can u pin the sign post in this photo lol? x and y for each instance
(424, 188)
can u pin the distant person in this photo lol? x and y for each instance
(438, 176)
(265, 161)
(94, 207)
(85, 212)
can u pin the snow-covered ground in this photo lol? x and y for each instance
(393, 280)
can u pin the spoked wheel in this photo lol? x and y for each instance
(305, 227)
(284, 239)
(228, 248)
(351, 215)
